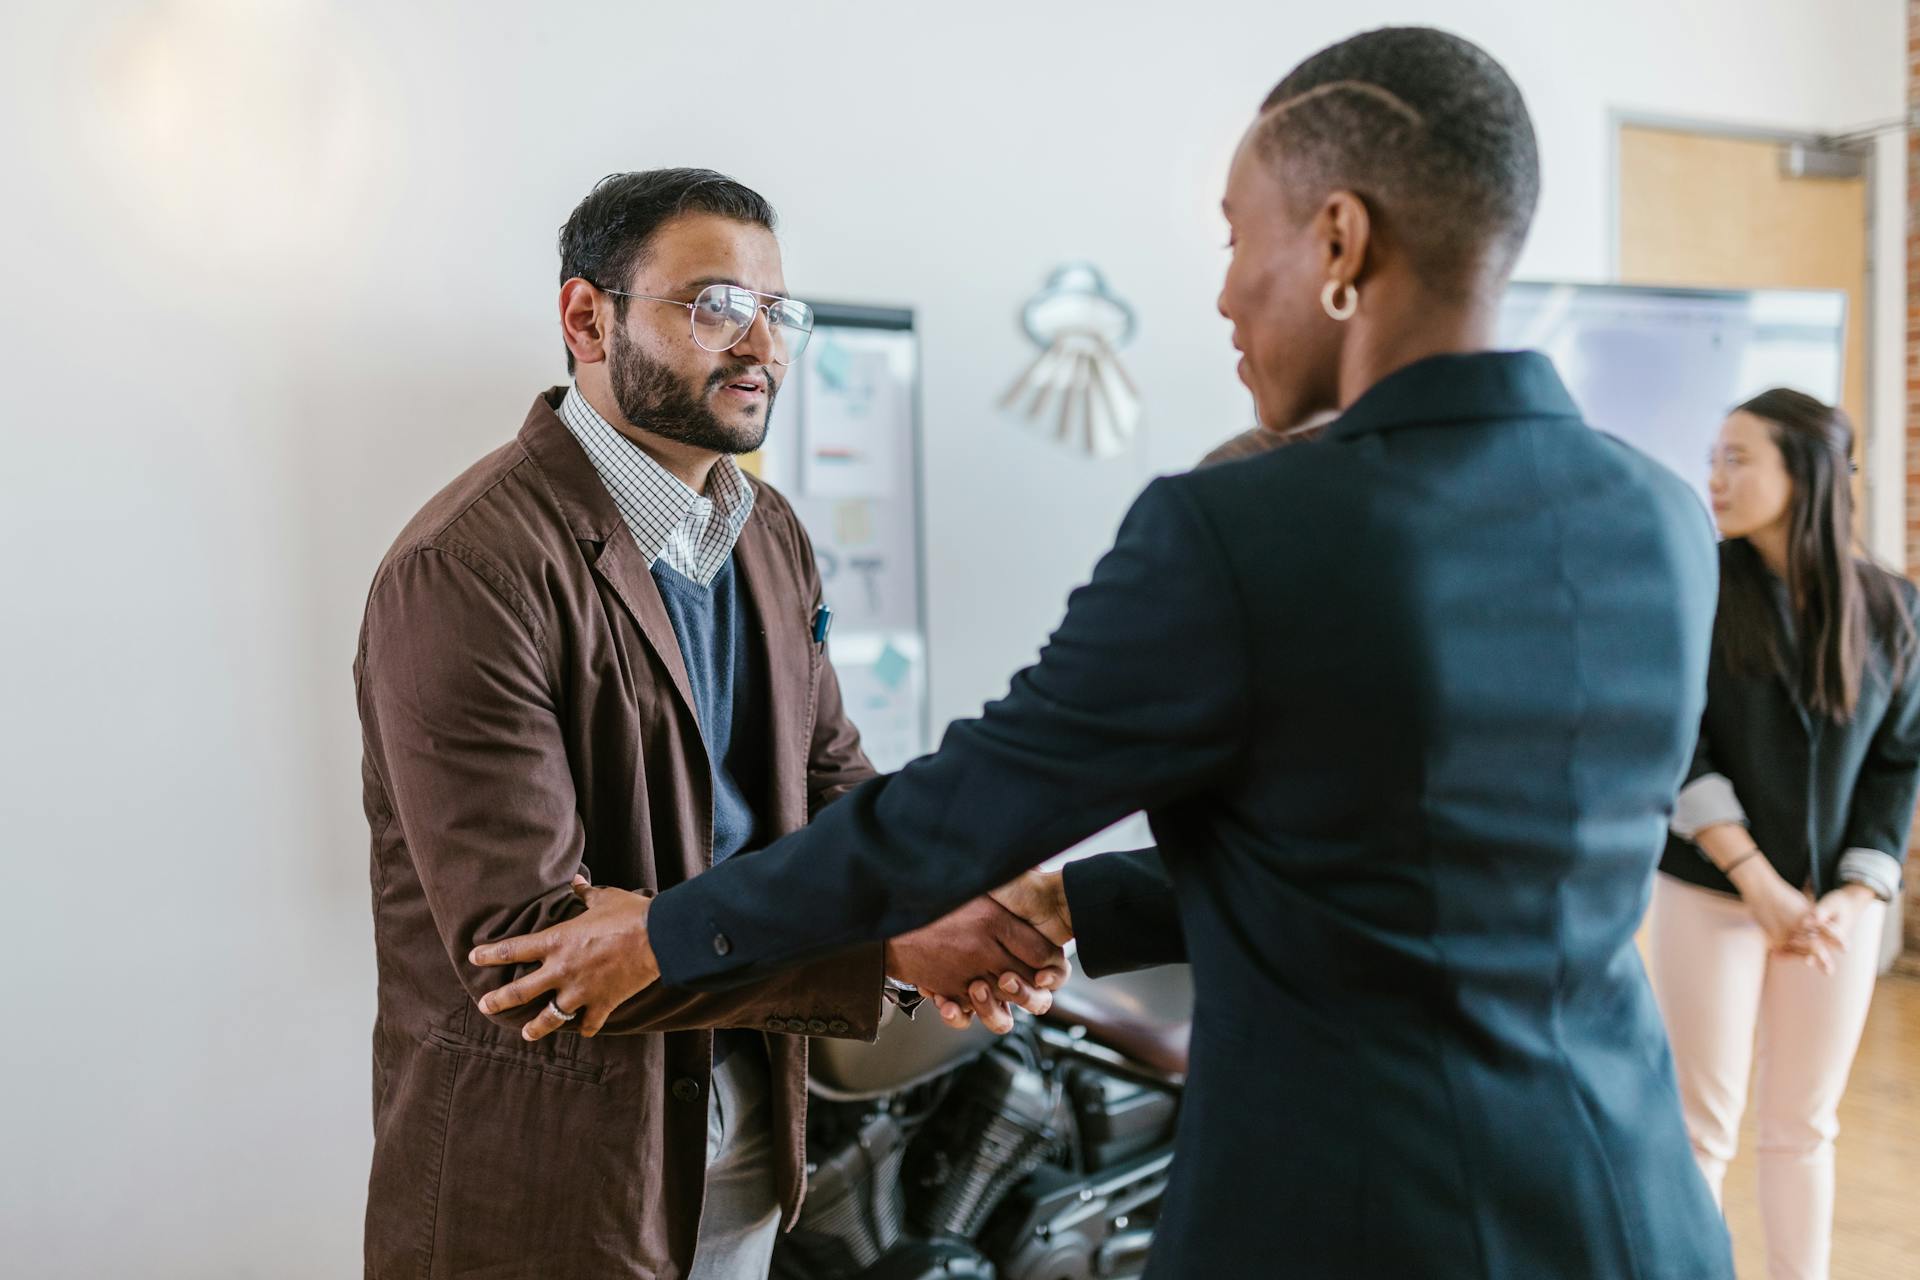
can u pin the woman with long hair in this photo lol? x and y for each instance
(1789, 836)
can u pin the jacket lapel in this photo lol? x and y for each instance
(1787, 637)
(619, 566)
(607, 545)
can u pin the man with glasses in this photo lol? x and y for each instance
(594, 657)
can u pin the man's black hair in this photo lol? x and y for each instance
(607, 234)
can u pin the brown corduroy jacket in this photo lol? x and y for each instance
(526, 715)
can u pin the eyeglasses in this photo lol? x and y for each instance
(723, 313)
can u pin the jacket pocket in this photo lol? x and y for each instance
(538, 1166)
(546, 1064)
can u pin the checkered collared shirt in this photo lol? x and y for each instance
(693, 533)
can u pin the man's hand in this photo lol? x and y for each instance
(1039, 898)
(961, 957)
(592, 963)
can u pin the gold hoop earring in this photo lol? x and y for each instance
(1344, 309)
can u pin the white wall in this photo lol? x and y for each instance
(276, 270)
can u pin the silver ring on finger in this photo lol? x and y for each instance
(553, 1007)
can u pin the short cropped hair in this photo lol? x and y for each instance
(1424, 126)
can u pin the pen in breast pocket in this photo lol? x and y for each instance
(822, 623)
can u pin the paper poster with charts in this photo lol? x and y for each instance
(844, 447)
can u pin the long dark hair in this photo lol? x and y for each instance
(1838, 602)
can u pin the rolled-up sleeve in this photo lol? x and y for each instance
(1707, 801)
(1881, 815)
(1878, 871)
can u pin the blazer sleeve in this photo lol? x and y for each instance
(1880, 815)
(1124, 913)
(1707, 798)
(1140, 697)
(464, 733)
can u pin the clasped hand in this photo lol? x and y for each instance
(978, 961)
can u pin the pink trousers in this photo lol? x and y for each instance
(1733, 1011)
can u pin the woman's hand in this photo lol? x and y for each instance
(956, 958)
(1840, 910)
(1791, 920)
(1039, 898)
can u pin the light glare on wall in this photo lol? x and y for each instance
(242, 125)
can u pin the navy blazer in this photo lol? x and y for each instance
(1407, 708)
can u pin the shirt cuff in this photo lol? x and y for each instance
(1878, 871)
(1705, 802)
(904, 996)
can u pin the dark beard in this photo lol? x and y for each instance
(657, 400)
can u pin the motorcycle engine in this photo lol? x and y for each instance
(853, 1211)
(1018, 1166)
(1002, 1119)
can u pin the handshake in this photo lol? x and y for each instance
(1037, 898)
(1000, 950)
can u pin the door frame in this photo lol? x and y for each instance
(1875, 484)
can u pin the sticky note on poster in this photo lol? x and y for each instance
(892, 667)
(853, 523)
(831, 364)
(856, 417)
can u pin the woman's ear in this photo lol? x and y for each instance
(1345, 229)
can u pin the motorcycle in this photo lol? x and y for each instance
(936, 1154)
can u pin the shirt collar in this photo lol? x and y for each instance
(655, 503)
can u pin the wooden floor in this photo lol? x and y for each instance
(1877, 1216)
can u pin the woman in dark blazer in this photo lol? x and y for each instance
(1789, 835)
(1406, 707)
